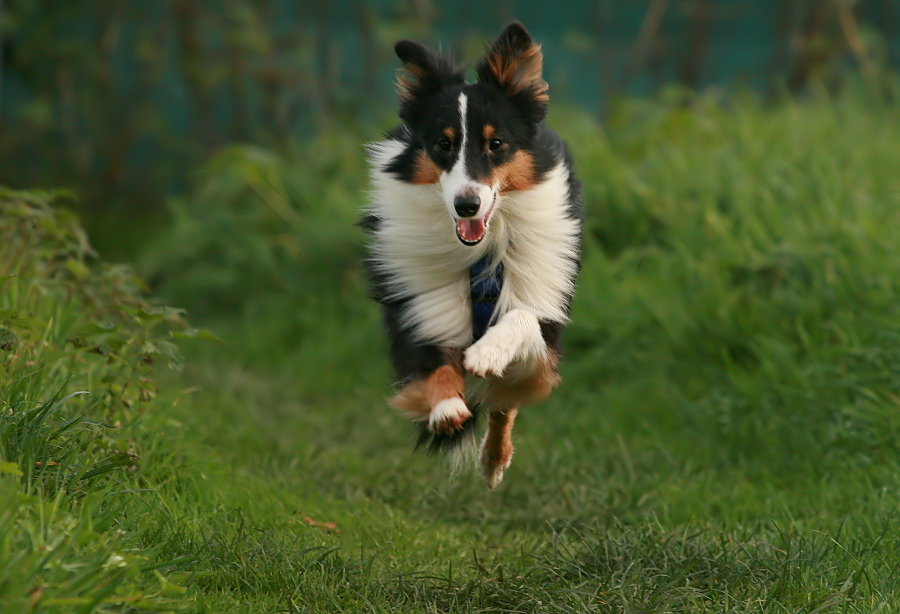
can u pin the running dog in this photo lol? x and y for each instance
(474, 231)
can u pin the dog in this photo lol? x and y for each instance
(474, 241)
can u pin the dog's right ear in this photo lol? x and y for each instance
(424, 73)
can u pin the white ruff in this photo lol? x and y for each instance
(416, 247)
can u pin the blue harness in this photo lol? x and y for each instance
(485, 286)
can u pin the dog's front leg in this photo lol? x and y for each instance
(515, 339)
(437, 398)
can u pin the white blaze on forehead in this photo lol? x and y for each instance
(456, 181)
(464, 128)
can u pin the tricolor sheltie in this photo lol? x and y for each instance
(475, 232)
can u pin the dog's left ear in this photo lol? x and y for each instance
(424, 73)
(514, 63)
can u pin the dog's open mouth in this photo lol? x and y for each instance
(470, 230)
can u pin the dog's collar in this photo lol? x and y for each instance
(485, 283)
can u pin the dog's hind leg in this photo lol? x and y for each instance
(496, 447)
(506, 394)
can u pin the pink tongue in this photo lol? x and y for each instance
(470, 229)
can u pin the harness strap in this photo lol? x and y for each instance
(485, 285)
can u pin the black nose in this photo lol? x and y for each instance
(466, 206)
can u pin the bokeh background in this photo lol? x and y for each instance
(122, 101)
(727, 434)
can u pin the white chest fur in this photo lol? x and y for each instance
(416, 247)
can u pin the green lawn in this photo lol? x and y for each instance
(726, 437)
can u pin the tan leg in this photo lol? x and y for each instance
(438, 398)
(511, 392)
(496, 447)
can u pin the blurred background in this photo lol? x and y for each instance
(123, 101)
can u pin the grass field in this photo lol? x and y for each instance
(726, 437)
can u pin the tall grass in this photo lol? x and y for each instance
(78, 341)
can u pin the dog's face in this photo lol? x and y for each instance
(473, 140)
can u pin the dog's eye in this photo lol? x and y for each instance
(445, 145)
(495, 144)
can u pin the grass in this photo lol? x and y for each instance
(726, 437)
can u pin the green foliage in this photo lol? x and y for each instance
(61, 307)
(744, 253)
(77, 345)
(263, 235)
(260, 223)
(60, 557)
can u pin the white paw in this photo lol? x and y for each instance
(448, 415)
(489, 356)
(492, 471)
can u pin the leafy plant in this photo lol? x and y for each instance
(269, 237)
(78, 345)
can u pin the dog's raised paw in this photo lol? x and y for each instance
(487, 358)
(448, 416)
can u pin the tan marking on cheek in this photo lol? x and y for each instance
(426, 171)
(417, 398)
(509, 392)
(516, 174)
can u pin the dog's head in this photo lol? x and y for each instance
(473, 139)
